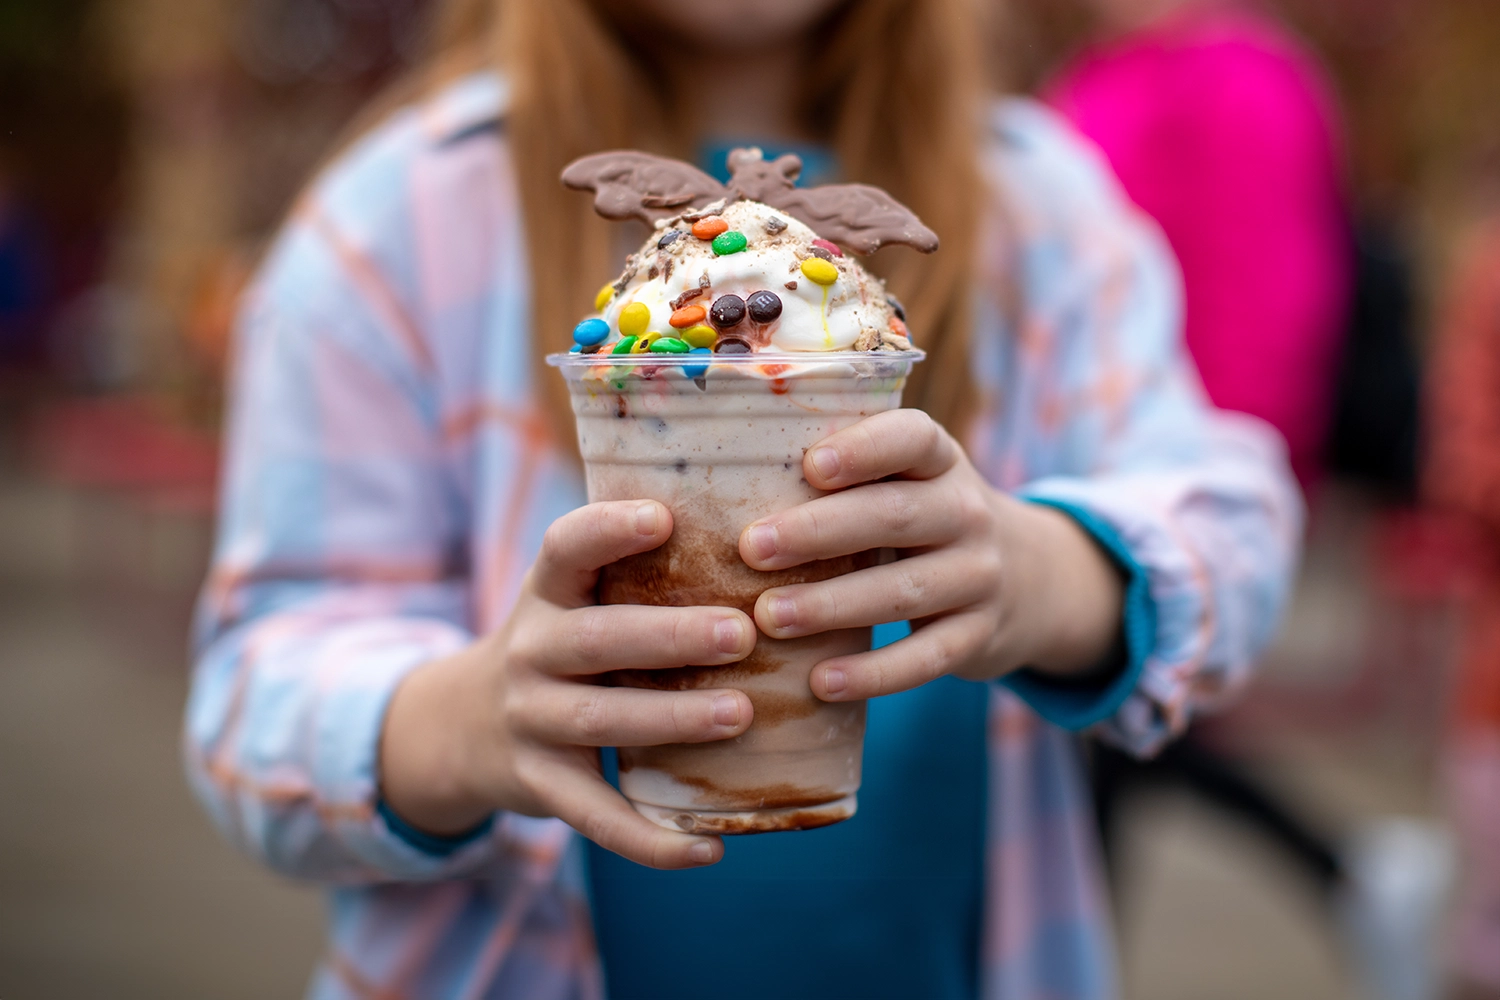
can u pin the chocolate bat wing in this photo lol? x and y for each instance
(857, 216)
(627, 185)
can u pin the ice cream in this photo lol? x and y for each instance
(736, 338)
(749, 278)
(738, 275)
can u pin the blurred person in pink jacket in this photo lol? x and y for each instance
(1224, 130)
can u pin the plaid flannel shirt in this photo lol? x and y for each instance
(389, 479)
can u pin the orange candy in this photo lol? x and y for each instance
(688, 316)
(707, 229)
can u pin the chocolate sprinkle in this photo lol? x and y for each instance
(775, 225)
(685, 298)
(820, 252)
(791, 286)
(727, 311)
(667, 238)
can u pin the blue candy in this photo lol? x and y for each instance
(591, 331)
(575, 349)
(696, 371)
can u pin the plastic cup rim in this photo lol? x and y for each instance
(581, 360)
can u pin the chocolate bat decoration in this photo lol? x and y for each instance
(628, 184)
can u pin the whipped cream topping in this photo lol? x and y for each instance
(832, 304)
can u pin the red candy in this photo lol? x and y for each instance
(830, 247)
(707, 229)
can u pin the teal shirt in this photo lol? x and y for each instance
(886, 904)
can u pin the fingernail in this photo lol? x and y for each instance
(762, 539)
(726, 710)
(646, 518)
(729, 633)
(701, 853)
(834, 680)
(826, 461)
(783, 611)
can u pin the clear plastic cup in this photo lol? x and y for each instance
(719, 440)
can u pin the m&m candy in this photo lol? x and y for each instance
(832, 248)
(669, 345)
(764, 306)
(634, 319)
(700, 336)
(605, 294)
(820, 271)
(707, 229)
(727, 311)
(625, 346)
(591, 331)
(687, 316)
(729, 242)
(696, 371)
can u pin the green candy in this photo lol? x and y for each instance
(732, 241)
(624, 346)
(670, 345)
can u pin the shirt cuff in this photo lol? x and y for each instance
(430, 843)
(1077, 705)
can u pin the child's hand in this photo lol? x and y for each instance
(990, 583)
(514, 721)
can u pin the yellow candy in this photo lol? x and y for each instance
(700, 335)
(605, 294)
(635, 317)
(644, 344)
(820, 271)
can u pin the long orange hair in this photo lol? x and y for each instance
(896, 89)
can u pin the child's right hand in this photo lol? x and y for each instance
(514, 721)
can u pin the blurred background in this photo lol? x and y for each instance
(1304, 844)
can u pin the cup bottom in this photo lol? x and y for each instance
(750, 820)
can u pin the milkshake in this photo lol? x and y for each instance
(733, 341)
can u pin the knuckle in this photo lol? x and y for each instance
(600, 827)
(935, 659)
(531, 776)
(910, 589)
(971, 510)
(690, 637)
(554, 548)
(591, 642)
(591, 717)
(516, 709)
(897, 509)
(687, 719)
(808, 527)
(989, 569)
(526, 645)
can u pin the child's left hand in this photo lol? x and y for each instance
(990, 583)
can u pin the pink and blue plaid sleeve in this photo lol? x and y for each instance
(1202, 500)
(340, 563)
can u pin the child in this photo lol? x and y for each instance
(396, 645)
